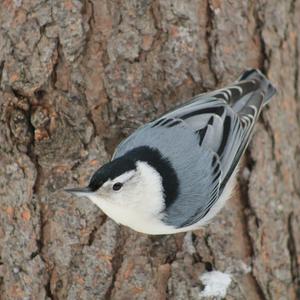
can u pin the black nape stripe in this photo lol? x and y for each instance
(162, 165)
(111, 170)
(128, 161)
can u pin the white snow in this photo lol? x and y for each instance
(216, 284)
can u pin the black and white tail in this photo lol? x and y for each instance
(266, 86)
(255, 91)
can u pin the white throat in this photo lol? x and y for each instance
(142, 209)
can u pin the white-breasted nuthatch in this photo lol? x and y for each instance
(175, 173)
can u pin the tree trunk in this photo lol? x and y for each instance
(76, 78)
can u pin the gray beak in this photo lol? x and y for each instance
(79, 191)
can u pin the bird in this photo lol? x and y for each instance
(175, 173)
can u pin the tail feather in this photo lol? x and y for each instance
(265, 85)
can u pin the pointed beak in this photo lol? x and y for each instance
(79, 191)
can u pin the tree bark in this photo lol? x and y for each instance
(76, 78)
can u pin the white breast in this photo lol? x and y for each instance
(134, 219)
(142, 204)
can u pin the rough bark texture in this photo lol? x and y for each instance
(76, 78)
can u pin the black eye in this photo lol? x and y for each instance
(117, 186)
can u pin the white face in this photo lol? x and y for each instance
(140, 195)
(119, 189)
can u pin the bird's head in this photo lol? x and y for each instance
(132, 181)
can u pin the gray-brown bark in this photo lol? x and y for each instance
(77, 77)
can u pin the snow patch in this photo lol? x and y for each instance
(216, 284)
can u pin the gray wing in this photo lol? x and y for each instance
(204, 141)
(223, 121)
